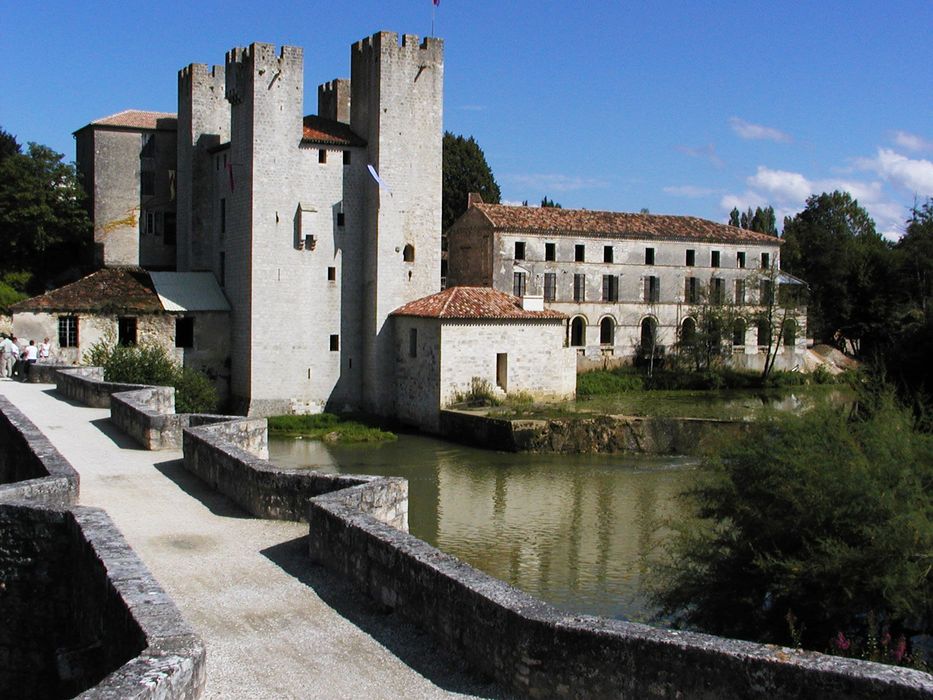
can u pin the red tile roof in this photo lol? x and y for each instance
(327, 131)
(472, 303)
(111, 290)
(138, 119)
(554, 221)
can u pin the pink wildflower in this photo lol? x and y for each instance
(842, 644)
(900, 650)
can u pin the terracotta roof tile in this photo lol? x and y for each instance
(327, 131)
(138, 119)
(472, 303)
(106, 291)
(554, 221)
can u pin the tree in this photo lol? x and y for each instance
(734, 218)
(8, 145)
(545, 202)
(833, 246)
(822, 516)
(705, 333)
(761, 220)
(42, 215)
(465, 170)
(777, 313)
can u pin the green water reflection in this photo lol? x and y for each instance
(569, 529)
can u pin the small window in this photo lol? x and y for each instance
(322, 156)
(740, 258)
(149, 225)
(223, 269)
(790, 333)
(550, 251)
(765, 261)
(502, 370)
(717, 290)
(408, 253)
(607, 253)
(714, 259)
(738, 333)
(331, 274)
(740, 292)
(519, 250)
(147, 183)
(171, 228)
(126, 330)
(346, 157)
(223, 216)
(766, 292)
(184, 332)
(68, 331)
(610, 288)
(649, 256)
(334, 343)
(691, 258)
(413, 342)
(518, 284)
(550, 286)
(764, 333)
(341, 219)
(579, 252)
(579, 287)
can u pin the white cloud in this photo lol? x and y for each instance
(757, 132)
(912, 142)
(555, 182)
(781, 184)
(707, 152)
(914, 175)
(690, 191)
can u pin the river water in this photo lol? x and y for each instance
(570, 529)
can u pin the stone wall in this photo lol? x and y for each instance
(231, 457)
(661, 436)
(82, 613)
(539, 651)
(86, 385)
(30, 468)
(148, 416)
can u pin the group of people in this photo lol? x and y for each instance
(16, 358)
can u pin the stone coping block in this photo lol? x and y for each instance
(91, 610)
(30, 467)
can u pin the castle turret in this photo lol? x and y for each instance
(396, 105)
(333, 100)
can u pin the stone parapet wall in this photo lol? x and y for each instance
(641, 435)
(87, 385)
(538, 651)
(30, 468)
(148, 416)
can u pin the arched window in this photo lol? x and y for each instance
(607, 329)
(649, 333)
(790, 332)
(688, 331)
(738, 332)
(578, 332)
(408, 254)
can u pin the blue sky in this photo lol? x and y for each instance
(686, 108)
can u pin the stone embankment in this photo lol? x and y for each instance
(589, 434)
(527, 645)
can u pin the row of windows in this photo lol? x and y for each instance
(607, 328)
(693, 289)
(126, 331)
(579, 255)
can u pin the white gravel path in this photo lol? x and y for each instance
(274, 625)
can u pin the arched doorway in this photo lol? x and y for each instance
(578, 332)
(607, 328)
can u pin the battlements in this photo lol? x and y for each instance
(333, 100)
(199, 71)
(256, 60)
(428, 50)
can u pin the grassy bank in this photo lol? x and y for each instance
(328, 427)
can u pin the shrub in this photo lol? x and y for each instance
(822, 517)
(480, 393)
(151, 364)
(602, 382)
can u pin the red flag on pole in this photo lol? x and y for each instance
(437, 3)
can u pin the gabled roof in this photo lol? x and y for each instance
(139, 119)
(107, 290)
(131, 290)
(554, 221)
(327, 131)
(472, 303)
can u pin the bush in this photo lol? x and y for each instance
(480, 393)
(603, 382)
(326, 426)
(822, 519)
(151, 364)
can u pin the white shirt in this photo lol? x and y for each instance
(32, 352)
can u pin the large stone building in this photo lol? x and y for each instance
(315, 227)
(628, 281)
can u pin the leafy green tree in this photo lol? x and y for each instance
(915, 257)
(761, 220)
(833, 246)
(42, 215)
(550, 203)
(704, 337)
(8, 145)
(824, 517)
(465, 170)
(734, 218)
